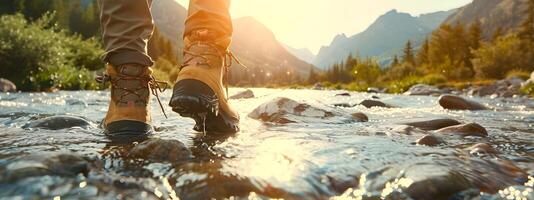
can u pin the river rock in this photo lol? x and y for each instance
(482, 148)
(452, 102)
(429, 140)
(369, 103)
(283, 110)
(423, 89)
(375, 90)
(318, 86)
(41, 164)
(7, 86)
(344, 94)
(247, 94)
(159, 150)
(433, 124)
(360, 117)
(470, 129)
(58, 122)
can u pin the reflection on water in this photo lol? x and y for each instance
(312, 159)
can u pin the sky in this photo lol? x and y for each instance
(314, 23)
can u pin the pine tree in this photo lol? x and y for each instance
(395, 61)
(527, 27)
(422, 55)
(408, 56)
(497, 34)
(475, 35)
(312, 78)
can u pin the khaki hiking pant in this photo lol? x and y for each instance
(127, 25)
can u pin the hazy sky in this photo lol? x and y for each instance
(314, 23)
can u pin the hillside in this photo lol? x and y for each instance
(303, 53)
(382, 38)
(253, 43)
(493, 14)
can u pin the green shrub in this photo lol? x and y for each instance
(528, 89)
(38, 56)
(495, 60)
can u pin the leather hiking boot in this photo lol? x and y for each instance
(199, 92)
(128, 116)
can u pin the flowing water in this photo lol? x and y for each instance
(314, 158)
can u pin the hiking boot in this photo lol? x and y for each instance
(128, 116)
(199, 92)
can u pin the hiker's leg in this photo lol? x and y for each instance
(212, 15)
(201, 85)
(126, 26)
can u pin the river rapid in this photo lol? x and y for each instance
(304, 156)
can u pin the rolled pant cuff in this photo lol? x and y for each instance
(128, 57)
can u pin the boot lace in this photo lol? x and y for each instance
(227, 58)
(155, 87)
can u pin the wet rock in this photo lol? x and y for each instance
(281, 110)
(345, 94)
(429, 140)
(41, 164)
(375, 90)
(452, 102)
(344, 105)
(318, 86)
(360, 117)
(433, 182)
(7, 86)
(470, 129)
(369, 103)
(58, 122)
(502, 88)
(247, 94)
(158, 150)
(482, 148)
(423, 89)
(434, 124)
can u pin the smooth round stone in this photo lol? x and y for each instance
(360, 117)
(159, 150)
(58, 122)
(368, 103)
(7, 86)
(429, 140)
(283, 110)
(433, 124)
(247, 94)
(470, 129)
(41, 164)
(452, 102)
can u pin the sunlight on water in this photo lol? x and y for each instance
(315, 158)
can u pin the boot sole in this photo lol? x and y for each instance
(203, 108)
(126, 131)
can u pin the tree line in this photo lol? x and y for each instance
(453, 52)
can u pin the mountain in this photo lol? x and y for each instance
(385, 37)
(254, 44)
(303, 53)
(492, 14)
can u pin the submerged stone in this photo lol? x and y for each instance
(247, 94)
(281, 110)
(360, 117)
(368, 103)
(429, 140)
(159, 150)
(344, 94)
(58, 122)
(470, 129)
(434, 124)
(41, 164)
(423, 89)
(452, 102)
(482, 148)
